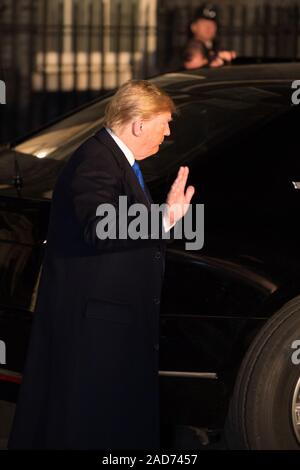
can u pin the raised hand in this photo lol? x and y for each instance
(178, 200)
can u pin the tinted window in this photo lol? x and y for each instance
(205, 121)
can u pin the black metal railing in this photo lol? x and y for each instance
(58, 54)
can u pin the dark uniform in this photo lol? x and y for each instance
(209, 50)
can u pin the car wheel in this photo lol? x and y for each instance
(264, 411)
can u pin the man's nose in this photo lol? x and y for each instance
(167, 130)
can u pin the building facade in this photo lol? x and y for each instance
(56, 54)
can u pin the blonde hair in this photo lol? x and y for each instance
(136, 99)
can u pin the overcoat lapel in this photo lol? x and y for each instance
(128, 173)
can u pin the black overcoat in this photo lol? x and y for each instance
(91, 375)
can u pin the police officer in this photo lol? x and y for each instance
(202, 49)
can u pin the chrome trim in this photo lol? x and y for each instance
(194, 375)
(296, 410)
(296, 184)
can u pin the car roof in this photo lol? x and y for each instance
(231, 73)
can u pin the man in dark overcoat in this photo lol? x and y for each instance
(91, 375)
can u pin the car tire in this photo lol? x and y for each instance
(263, 409)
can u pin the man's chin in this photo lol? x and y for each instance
(152, 153)
(155, 150)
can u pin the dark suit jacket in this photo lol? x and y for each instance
(91, 376)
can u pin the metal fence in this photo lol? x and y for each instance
(58, 54)
(55, 55)
(260, 31)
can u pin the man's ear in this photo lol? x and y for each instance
(137, 128)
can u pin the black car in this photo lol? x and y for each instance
(230, 312)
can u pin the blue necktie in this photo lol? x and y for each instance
(137, 170)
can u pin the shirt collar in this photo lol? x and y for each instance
(127, 152)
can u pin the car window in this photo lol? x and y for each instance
(205, 118)
(217, 115)
(246, 185)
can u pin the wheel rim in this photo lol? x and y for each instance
(296, 410)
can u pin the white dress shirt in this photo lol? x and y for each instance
(127, 152)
